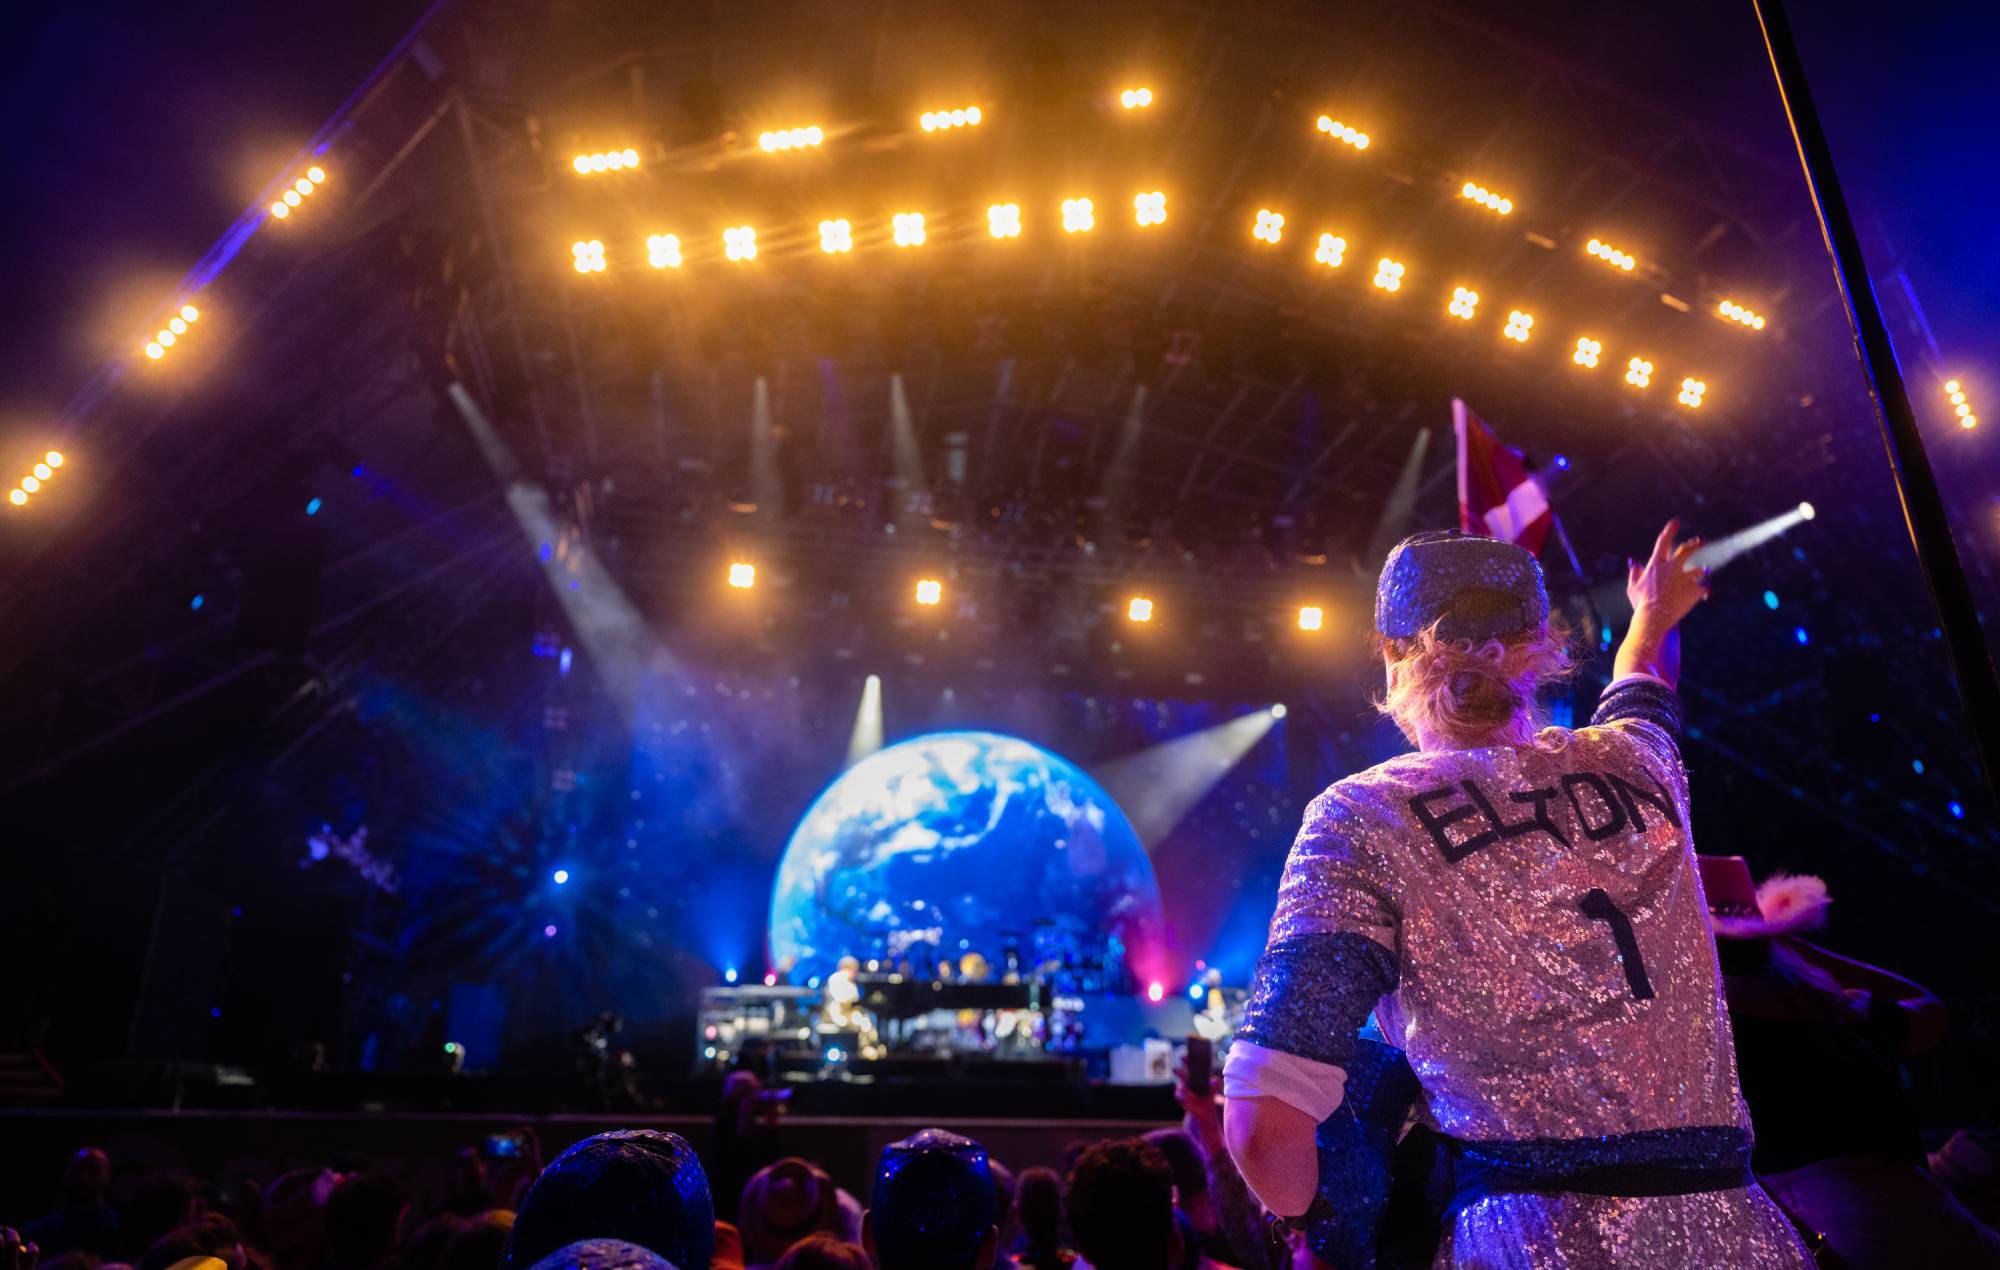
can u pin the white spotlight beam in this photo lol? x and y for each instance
(1402, 499)
(1159, 785)
(867, 735)
(1713, 555)
(616, 638)
(907, 455)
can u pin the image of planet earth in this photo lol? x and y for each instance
(959, 842)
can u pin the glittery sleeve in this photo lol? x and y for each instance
(1643, 699)
(1333, 948)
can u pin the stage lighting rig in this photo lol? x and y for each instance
(946, 120)
(1960, 406)
(1136, 98)
(663, 251)
(1389, 274)
(587, 257)
(909, 229)
(1519, 326)
(1691, 393)
(1738, 314)
(1077, 216)
(37, 477)
(1139, 609)
(1311, 618)
(1003, 220)
(1342, 132)
(1150, 208)
(742, 575)
(625, 160)
(1463, 303)
(1331, 252)
(1476, 193)
(1638, 372)
(169, 335)
(791, 139)
(835, 236)
(930, 592)
(302, 189)
(1611, 255)
(739, 243)
(1270, 226)
(1587, 350)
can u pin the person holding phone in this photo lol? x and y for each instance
(1520, 908)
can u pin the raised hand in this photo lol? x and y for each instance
(1664, 590)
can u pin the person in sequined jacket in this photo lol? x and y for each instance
(1520, 909)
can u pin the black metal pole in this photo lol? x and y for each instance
(1916, 487)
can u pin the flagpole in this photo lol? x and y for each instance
(1589, 600)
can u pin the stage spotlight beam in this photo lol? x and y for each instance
(866, 736)
(1714, 555)
(1160, 785)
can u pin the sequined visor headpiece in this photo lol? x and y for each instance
(1471, 588)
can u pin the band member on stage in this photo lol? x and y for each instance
(1520, 908)
(840, 1006)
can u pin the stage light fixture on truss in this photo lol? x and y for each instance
(790, 139)
(1311, 617)
(1077, 216)
(1342, 132)
(1738, 314)
(930, 592)
(169, 335)
(1611, 255)
(739, 243)
(1691, 393)
(909, 228)
(835, 236)
(1150, 208)
(1638, 372)
(1463, 303)
(742, 575)
(663, 251)
(605, 161)
(302, 189)
(588, 256)
(1960, 406)
(1474, 192)
(1136, 98)
(1587, 350)
(1003, 220)
(946, 120)
(1519, 326)
(1270, 226)
(1331, 252)
(1139, 609)
(38, 476)
(1389, 274)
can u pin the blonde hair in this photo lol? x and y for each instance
(1464, 692)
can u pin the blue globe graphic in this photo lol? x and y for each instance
(958, 842)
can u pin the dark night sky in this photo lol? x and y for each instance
(137, 132)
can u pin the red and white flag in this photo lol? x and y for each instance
(1497, 496)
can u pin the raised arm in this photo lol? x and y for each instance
(1663, 591)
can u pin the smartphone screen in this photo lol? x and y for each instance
(1200, 1064)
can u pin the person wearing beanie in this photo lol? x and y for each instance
(637, 1185)
(932, 1206)
(1519, 908)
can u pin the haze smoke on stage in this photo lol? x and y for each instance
(867, 735)
(1160, 785)
(1402, 499)
(908, 455)
(1714, 555)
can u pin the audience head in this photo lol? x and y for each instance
(480, 1242)
(603, 1254)
(933, 1205)
(211, 1235)
(784, 1203)
(294, 1216)
(425, 1249)
(824, 1252)
(85, 1177)
(638, 1185)
(362, 1216)
(1038, 1206)
(161, 1202)
(1185, 1160)
(1121, 1207)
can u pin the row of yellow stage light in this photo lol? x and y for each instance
(929, 593)
(170, 335)
(302, 189)
(38, 476)
(1960, 406)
